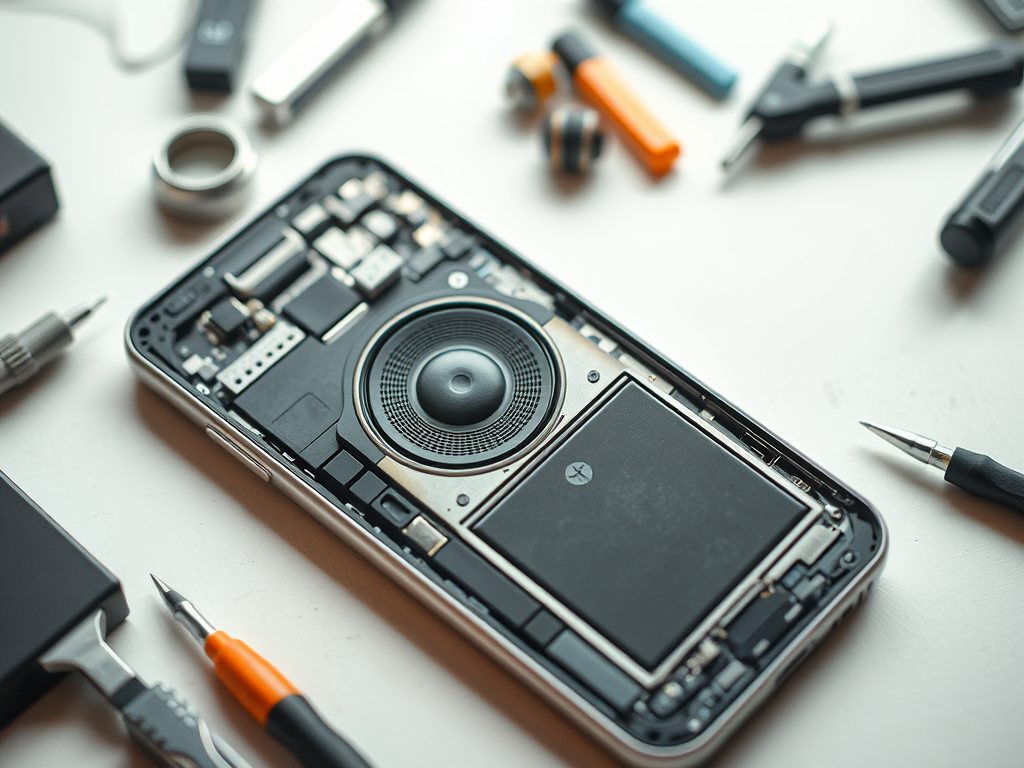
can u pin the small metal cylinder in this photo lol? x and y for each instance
(531, 81)
(573, 138)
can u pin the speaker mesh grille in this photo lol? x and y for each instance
(502, 337)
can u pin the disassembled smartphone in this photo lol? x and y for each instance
(629, 544)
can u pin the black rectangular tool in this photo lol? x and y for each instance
(48, 585)
(27, 197)
(217, 44)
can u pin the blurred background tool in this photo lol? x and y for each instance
(531, 80)
(291, 80)
(573, 138)
(601, 86)
(1009, 13)
(972, 472)
(788, 102)
(264, 692)
(990, 213)
(215, 49)
(23, 355)
(637, 20)
(27, 197)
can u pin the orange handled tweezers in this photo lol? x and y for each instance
(265, 693)
(601, 86)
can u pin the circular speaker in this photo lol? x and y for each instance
(459, 385)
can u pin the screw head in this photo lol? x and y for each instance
(579, 473)
(462, 500)
(593, 377)
(458, 280)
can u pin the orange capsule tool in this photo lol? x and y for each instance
(601, 86)
(266, 694)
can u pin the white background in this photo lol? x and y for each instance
(810, 291)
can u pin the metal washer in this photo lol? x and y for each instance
(206, 198)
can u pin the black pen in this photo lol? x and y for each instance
(972, 472)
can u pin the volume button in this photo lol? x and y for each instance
(239, 453)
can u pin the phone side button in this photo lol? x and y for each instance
(239, 453)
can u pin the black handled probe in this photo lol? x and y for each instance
(788, 102)
(972, 472)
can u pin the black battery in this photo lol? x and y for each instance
(48, 584)
(27, 196)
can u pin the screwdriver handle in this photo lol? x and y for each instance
(278, 706)
(22, 356)
(987, 72)
(987, 217)
(295, 724)
(987, 479)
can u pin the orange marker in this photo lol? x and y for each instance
(602, 87)
(265, 693)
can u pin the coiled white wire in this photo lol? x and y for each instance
(107, 17)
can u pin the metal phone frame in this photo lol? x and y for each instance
(596, 723)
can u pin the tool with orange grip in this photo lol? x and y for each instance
(265, 693)
(601, 86)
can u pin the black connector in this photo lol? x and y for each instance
(217, 44)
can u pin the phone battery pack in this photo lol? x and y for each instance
(27, 196)
(48, 584)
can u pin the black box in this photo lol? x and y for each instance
(27, 197)
(48, 585)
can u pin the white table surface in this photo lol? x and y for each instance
(810, 291)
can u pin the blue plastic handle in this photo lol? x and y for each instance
(663, 39)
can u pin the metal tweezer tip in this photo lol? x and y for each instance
(742, 142)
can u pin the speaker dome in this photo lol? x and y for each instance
(459, 385)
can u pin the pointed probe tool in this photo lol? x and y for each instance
(265, 693)
(23, 355)
(972, 472)
(788, 101)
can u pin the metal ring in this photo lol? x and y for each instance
(211, 197)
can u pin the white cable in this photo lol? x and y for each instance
(107, 17)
